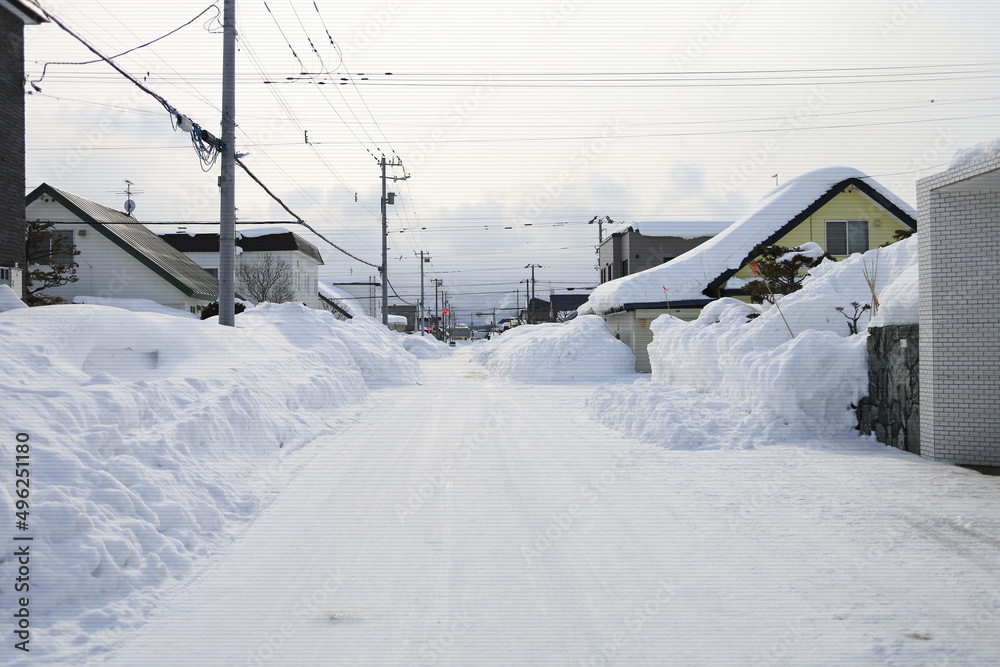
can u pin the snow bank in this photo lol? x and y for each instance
(425, 347)
(581, 349)
(806, 383)
(135, 305)
(9, 300)
(153, 438)
(966, 155)
(688, 275)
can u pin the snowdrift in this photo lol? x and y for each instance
(806, 382)
(154, 438)
(425, 347)
(581, 349)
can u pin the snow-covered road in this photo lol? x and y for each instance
(468, 522)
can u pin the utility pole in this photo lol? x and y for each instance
(422, 314)
(227, 177)
(387, 198)
(531, 317)
(436, 322)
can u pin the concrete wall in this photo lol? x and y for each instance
(959, 240)
(891, 410)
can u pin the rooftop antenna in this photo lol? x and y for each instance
(128, 192)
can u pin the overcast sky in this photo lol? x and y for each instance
(509, 114)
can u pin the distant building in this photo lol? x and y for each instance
(409, 312)
(366, 290)
(301, 256)
(119, 257)
(14, 15)
(631, 247)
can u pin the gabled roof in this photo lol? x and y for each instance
(695, 277)
(26, 10)
(135, 239)
(250, 240)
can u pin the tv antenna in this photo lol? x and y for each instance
(128, 192)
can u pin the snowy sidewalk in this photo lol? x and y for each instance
(466, 522)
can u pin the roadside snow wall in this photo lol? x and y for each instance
(807, 382)
(581, 349)
(153, 438)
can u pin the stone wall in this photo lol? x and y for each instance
(892, 408)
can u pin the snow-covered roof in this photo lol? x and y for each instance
(397, 319)
(342, 299)
(684, 229)
(254, 232)
(966, 155)
(688, 276)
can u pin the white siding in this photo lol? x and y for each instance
(106, 270)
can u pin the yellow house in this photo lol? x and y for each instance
(839, 208)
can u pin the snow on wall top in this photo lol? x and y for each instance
(261, 231)
(342, 299)
(966, 155)
(687, 276)
(684, 229)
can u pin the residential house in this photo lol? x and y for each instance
(14, 15)
(366, 290)
(839, 208)
(119, 257)
(302, 257)
(340, 303)
(959, 326)
(631, 247)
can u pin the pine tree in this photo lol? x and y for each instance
(46, 250)
(777, 277)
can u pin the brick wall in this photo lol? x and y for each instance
(959, 222)
(11, 140)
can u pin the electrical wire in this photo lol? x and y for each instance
(34, 83)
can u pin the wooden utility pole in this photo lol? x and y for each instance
(531, 317)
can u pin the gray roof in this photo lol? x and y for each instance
(129, 234)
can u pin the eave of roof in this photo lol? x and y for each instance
(27, 11)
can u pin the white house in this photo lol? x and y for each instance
(301, 256)
(119, 257)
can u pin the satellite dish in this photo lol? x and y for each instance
(129, 206)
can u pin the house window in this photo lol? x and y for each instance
(214, 272)
(846, 237)
(624, 267)
(62, 238)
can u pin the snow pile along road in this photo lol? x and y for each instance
(783, 387)
(425, 347)
(581, 349)
(153, 438)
